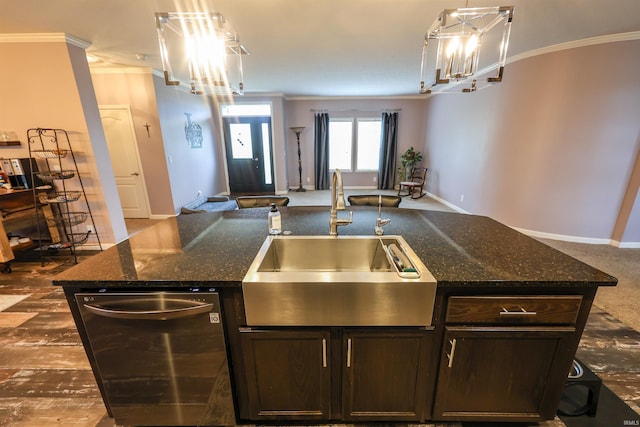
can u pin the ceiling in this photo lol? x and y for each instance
(341, 48)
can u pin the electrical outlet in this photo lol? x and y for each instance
(462, 197)
(308, 179)
(375, 179)
(90, 229)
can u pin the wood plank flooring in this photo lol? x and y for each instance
(45, 379)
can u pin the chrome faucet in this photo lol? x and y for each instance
(337, 204)
(380, 222)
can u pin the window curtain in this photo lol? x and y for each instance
(321, 150)
(388, 144)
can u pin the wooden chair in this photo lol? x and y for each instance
(261, 201)
(372, 200)
(414, 186)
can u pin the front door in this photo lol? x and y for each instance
(249, 160)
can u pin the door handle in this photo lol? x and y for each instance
(135, 173)
(324, 353)
(453, 351)
(521, 312)
(115, 313)
(349, 353)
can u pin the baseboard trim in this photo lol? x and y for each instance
(626, 245)
(577, 239)
(448, 204)
(564, 237)
(161, 216)
(94, 247)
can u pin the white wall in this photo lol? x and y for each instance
(550, 149)
(47, 84)
(135, 88)
(191, 170)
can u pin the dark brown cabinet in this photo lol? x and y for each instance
(288, 373)
(496, 373)
(496, 367)
(383, 373)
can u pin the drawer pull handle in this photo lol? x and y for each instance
(453, 350)
(522, 312)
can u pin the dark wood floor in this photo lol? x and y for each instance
(45, 379)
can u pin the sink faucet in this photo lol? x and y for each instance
(337, 204)
(380, 222)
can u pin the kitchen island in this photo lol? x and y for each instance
(508, 316)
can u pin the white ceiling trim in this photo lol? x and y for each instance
(120, 70)
(44, 38)
(612, 38)
(353, 98)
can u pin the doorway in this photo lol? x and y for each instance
(248, 150)
(123, 150)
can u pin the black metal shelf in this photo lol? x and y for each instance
(57, 165)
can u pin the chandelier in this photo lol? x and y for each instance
(453, 44)
(201, 50)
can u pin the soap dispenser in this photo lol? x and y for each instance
(275, 223)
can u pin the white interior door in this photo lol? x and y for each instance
(123, 150)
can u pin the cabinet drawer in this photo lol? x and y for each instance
(514, 309)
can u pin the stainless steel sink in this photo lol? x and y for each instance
(338, 281)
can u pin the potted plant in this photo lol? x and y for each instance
(408, 159)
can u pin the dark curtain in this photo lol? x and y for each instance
(388, 144)
(321, 150)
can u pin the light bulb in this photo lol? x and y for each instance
(472, 45)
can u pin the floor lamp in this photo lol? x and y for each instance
(298, 130)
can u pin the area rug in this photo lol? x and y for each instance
(7, 301)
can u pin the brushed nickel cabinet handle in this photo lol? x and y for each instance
(453, 350)
(349, 353)
(324, 352)
(522, 312)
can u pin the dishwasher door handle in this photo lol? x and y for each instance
(177, 313)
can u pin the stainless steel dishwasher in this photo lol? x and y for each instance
(160, 356)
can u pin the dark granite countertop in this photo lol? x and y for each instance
(216, 249)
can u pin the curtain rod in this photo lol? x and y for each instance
(386, 110)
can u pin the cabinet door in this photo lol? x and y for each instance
(385, 374)
(498, 374)
(288, 374)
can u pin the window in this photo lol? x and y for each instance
(354, 144)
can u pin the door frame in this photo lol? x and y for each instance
(143, 181)
(275, 162)
(256, 126)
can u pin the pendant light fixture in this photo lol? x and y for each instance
(451, 54)
(201, 50)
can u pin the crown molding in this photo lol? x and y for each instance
(101, 69)
(44, 38)
(353, 98)
(611, 38)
